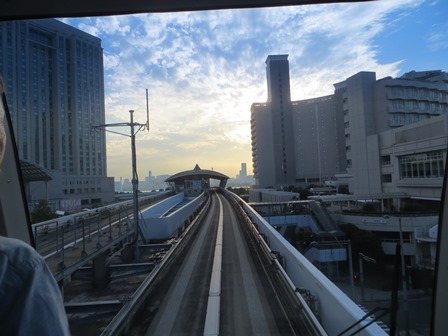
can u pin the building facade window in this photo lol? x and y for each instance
(425, 165)
(385, 159)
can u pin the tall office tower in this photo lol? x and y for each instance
(273, 152)
(55, 91)
(243, 171)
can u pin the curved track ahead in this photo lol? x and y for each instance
(248, 305)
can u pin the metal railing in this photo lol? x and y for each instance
(68, 243)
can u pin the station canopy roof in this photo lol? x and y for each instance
(32, 172)
(196, 174)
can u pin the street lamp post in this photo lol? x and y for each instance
(403, 279)
(363, 257)
(350, 263)
(403, 268)
(403, 276)
(361, 275)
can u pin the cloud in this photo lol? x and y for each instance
(438, 38)
(204, 70)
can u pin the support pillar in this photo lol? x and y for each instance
(101, 274)
(127, 254)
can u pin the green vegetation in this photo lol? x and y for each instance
(41, 212)
(364, 242)
(304, 192)
(238, 191)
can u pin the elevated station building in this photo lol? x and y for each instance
(193, 182)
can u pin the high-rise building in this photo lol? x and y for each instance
(319, 140)
(374, 135)
(54, 81)
(273, 148)
(375, 112)
(148, 183)
(293, 142)
(243, 171)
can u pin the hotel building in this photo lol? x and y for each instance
(53, 74)
(377, 136)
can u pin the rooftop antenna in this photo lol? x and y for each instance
(134, 129)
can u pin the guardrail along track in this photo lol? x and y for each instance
(294, 308)
(117, 308)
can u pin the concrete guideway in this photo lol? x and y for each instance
(214, 299)
(183, 308)
(249, 305)
(217, 277)
(198, 302)
(228, 273)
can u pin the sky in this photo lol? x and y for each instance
(203, 70)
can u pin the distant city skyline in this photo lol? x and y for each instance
(204, 69)
(241, 174)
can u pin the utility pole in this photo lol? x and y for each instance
(133, 125)
(134, 180)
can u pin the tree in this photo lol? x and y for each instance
(363, 241)
(42, 212)
(238, 191)
(343, 189)
(304, 193)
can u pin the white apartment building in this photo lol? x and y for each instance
(377, 145)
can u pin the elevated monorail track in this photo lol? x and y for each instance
(219, 277)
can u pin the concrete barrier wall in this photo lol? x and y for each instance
(155, 227)
(337, 311)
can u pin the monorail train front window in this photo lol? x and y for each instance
(244, 162)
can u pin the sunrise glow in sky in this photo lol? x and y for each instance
(204, 69)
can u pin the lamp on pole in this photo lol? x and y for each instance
(403, 276)
(363, 257)
(403, 279)
(403, 266)
(350, 267)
